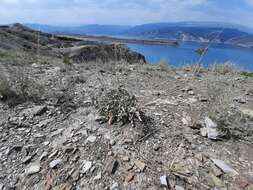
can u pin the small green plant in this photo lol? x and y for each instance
(6, 92)
(247, 74)
(2, 54)
(66, 60)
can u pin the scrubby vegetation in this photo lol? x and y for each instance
(247, 74)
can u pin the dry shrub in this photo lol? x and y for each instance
(118, 105)
(163, 65)
(17, 86)
(221, 107)
(225, 68)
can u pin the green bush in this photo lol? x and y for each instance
(6, 92)
(66, 60)
(247, 74)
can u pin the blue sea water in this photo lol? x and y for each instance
(185, 54)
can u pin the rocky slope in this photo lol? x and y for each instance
(89, 124)
(19, 37)
(184, 132)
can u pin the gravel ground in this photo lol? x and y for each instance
(61, 143)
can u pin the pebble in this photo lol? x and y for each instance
(139, 164)
(128, 141)
(211, 129)
(177, 187)
(203, 132)
(115, 186)
(224, 167)
(112, 142)
(191, 92)
(217, 182)
(86, 167)
(32, 169)
(53, 154)
(91, 139)
(46, 143)
(75, 176)
(110, 153)
(98, 176)
(216, 171)
(43, 155)
(126, 159)
(55, 163)
(111, 165)
(27, 159)
(164, 181)
(242, 184)
(130, 177)
(156, 147)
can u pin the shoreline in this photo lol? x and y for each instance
(106, 39)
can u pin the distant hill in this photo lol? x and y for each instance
(194, 31)
(179, 31)
(92, 29)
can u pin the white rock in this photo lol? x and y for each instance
(86, 167)
(247, 112)
(203, 132)
(33, 169)
(46, 143)
(112, 142)
(209, 123)
(43, 155)
(91, 139)
(115, 186)
(186, 120)
(55, 163)
(164, 181)
(98, 176)
(177, 187)
(224, 167)
(211, 127)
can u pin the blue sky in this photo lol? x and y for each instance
(125, 12)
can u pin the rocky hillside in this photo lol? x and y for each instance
(192, 33)
(123, 126)
(178, 31)
(69, 123)
(19, 37)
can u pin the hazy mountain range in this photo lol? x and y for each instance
(91, 29)
(180, 31)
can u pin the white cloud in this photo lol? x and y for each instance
(116, 11)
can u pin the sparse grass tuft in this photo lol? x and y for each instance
(66, 60)
(224, 68)
(6, 92)
(163, 65)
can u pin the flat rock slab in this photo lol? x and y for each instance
(139, 164)
(35, 111)
(32, 169)
(224, 167)
(55, 163)
(111, 165)
(247, 112)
